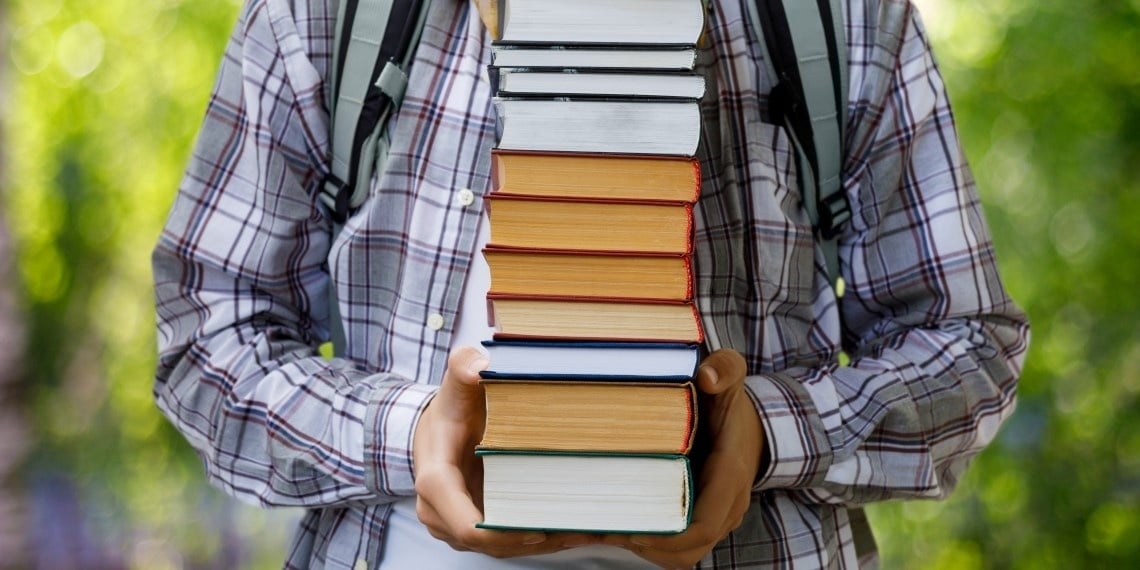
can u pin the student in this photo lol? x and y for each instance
(376, 445)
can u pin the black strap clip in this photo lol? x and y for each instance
(834, 211)
(341, 193)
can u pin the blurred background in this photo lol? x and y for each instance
(100, 101)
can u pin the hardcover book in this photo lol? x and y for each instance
(611, 417)
(657, 361)
(550, 318)
(587, 83)
(589, 274)
(583, 225)
(595, 176)
(586, 492)
(601, 21)
(602, 126)
(680, 58)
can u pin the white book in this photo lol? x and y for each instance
(618, 127)
(602, 21)
(582, 57)
(576, 83)
(591, 493)
(657, 361)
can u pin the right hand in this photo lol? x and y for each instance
(449, 477)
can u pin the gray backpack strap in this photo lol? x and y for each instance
(374, 44)
(806, 44)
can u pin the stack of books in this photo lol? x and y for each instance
(591, 409)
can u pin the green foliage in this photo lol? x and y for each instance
(106, 98)
(103, 103)
(1047, 95)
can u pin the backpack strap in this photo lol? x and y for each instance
(373, 47)
(806, 43)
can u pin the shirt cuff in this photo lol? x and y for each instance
(799, 453)
(389, 427)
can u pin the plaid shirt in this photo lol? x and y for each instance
(242, 270)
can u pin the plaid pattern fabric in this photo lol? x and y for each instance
(243, 264)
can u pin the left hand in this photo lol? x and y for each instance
(724, 487)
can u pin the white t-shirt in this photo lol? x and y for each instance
(407, 543)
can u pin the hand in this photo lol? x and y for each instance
(736, 442)
(449, 477)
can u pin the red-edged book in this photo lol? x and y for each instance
(541, 222)
(596, 176)
(596, 319)
(565, 273)
(589, 416)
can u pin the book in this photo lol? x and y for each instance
(521, 317)
(601, 21)
(611, 417)
(589, 274)
(660, 362)
(634, 126)
(584, 83)
(612, 177)
(590, 225)
(586, 492)
(680, 58)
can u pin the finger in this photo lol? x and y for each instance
(460, 391)
(445, 491)
(721, 371)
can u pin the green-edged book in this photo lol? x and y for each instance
(586, 492)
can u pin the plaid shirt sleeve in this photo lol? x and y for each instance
(241, 276)
(938, 343)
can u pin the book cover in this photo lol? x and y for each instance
(595, 176)
(614, 417)
(618, 361)
(542, 222)
(610, 493)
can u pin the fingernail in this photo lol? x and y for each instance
(711, 372)
(641, 540)
(532, 539)
(479, 365)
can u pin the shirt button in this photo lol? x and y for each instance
(466, 197)
(361, 564)
(435, 322)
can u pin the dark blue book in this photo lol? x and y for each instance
(628, 361)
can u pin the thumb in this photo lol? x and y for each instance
(460, 389)
(721, 371)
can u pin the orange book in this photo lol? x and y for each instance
(572, 318)
(606, 176)
(589, 274)
(590, 225)
(609, 417)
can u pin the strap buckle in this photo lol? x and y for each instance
(834, 211)
(338, 192)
